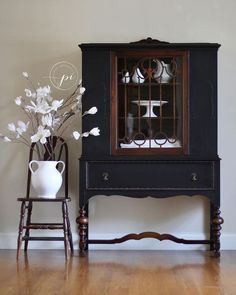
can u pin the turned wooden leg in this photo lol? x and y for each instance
(21, 228)
(212, 245)
(216, 222)
(65, 228)
(28, 220)
(82, 221)
(69, 229)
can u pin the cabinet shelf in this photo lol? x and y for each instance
(149, 84)
(151, 118)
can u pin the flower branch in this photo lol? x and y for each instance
(48, 117)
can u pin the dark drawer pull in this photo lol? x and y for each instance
(105, 176)
(194, 177)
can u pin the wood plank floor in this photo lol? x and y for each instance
(118, 272)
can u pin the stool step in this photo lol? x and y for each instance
(43, 238)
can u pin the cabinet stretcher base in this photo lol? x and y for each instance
(214, 241)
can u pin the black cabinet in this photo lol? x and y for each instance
(157, 112)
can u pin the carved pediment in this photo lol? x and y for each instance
(149, 41)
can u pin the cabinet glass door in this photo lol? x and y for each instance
(149, 106)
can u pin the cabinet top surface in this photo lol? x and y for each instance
(147, 43)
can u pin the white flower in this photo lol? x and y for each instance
(22, 127)
(43, 91)
(28, 92)
(25, 74)
(81, 90)
(78, 98)
(18, 100)
(47, 120)
(56, 104)
(6, 139)
(95, 131)
(91, 111)
(41, 107)
(47, 117)
(49, 98)
(12, 127)
(41, 135)
(76, 135)
(85, 134)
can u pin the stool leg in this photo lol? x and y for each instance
(28, 220)
(69, 229)
(21, 228)
(65, 229)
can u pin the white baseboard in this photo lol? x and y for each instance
(228, 242)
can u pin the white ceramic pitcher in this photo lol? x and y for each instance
(46, 179)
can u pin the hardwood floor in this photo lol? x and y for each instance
(118, 272)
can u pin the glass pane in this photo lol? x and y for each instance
(150, 102)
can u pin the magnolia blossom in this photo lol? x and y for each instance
(43, 91)
(12, 127)
(81, 90)
(48, 117)
(18, 100)
(76, 135)
(22, 127)
(78, 98)
(47, 120)
(25, 74)
(6, 139)
(91, 111)
(41, 135)
(56, 104)
(41, 107)
(28, 92)
(95, 132)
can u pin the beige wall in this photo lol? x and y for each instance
(36, 34)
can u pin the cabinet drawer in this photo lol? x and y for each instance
(152, 175)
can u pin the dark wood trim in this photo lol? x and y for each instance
(151, 151)
(217, 221)
(184, 149)
(56, 200)
(115, 46)
(149, 40)
(144, 235)
(114, 105)
(185, 91)
(82, 222)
